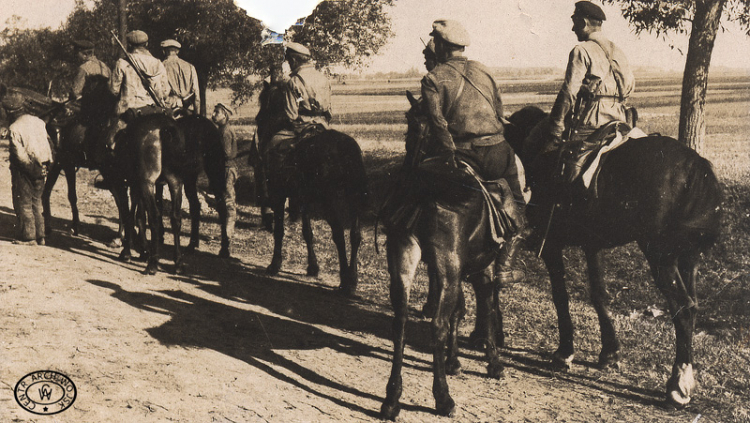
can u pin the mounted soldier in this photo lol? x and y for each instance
(307, 106)
(465, 111)
(183, 80)
(598, 82)
(140, 82)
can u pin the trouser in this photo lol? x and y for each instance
(495, 162)
(27, 203)
(230, 205)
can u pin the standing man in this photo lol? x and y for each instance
(464, 108)
(598, 82)
(228, 203)
(30, 155)
(183, 80)
(127, 85)
(307, 104)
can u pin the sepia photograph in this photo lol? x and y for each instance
(375, 210)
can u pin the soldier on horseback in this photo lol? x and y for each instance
(598, 82)
(307, 106)
(465, 109)
(183, 80)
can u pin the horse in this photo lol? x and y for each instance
(451, 234)
(156, 149)
(325, 171)
(652, 190)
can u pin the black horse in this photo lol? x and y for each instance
(326, 172)
(450, 232)
(652, 190)
(156, 149)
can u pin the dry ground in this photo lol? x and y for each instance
(224, 343)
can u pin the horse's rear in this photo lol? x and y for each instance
(327, 172)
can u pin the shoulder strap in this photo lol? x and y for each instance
(616, 75)
(486, 97)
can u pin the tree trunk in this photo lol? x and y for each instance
(695, 78)
(122, 16)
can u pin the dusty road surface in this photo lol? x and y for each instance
(224, 343)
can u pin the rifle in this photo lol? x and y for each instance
(140, 73)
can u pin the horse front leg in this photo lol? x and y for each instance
(609, 355)
(120, 194)
(70, 178)
(452, 364)
(49, 184)
(307, 233)
(148, 202)
(127, 217)
(488, 322)
(403, 257)
(191, 192)
(278, 236)
(175, 219)
(553, 259)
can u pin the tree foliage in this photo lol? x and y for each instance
(664, 16)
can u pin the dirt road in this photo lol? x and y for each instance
(224, 343)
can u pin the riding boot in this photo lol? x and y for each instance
(504, 272)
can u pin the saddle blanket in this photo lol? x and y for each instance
(590, 173)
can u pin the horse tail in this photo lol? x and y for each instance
(700, 210)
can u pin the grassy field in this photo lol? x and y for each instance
(373, 113)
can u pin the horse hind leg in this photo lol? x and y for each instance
(49, 184)
(609, 355)
(452, 364)
(552, 256)
(355, 240)
(191, 192)
(278, 235)
(403, 258)
(488, 321)
(313, 269)
(175, 217)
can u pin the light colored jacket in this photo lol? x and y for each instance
(308, 97)
(589, 59)
(183, 81)
(128, 86)
(29, 142)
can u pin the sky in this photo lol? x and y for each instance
(513, 33)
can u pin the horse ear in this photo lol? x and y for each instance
(413, 100)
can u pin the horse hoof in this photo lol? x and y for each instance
(453, 367)
(476, 340)
(179, 269)
(115, 243)
(389, 412)
(680, 385)
(447, 409)
(125, 258)
(149, 271)
(609, 360)
(495, 370)
(224, 253)
(562, 362)
(428, 310)
(347, 291)
(190, 249)
(313, 271)
(273, 269)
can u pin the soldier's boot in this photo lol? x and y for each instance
(227, 233)
(504, 271)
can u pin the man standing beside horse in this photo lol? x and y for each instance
(464, 106)
(30, 155)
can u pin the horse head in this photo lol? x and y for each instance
(417, 130)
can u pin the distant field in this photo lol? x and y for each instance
(373, 111)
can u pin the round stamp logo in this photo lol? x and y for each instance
(45, 392)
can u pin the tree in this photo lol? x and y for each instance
(663, 16)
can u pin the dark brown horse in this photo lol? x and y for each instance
(450, 232)
(326, 172)
(652, 190)
(156, 149)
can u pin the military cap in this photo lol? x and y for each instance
(450, 31)
(298, 48)
(226, 109)
(13, 102)
(136, 37)
(83, 44)
(429, 49)
(586, 9)
(170, 43)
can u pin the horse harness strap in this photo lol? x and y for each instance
(500, 222)
(479, 141)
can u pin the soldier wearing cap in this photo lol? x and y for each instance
(91, 71)
(307, 104)
(464, 107)
(30, 155)
(130, 89)
(598, 78)
(183, 79)
(227, 204)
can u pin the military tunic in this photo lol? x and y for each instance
(183, 81)
(126, 83)
(589, 59)
(92, 67)
(308, 98)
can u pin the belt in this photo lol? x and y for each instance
(310, 113)
(481, 141)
